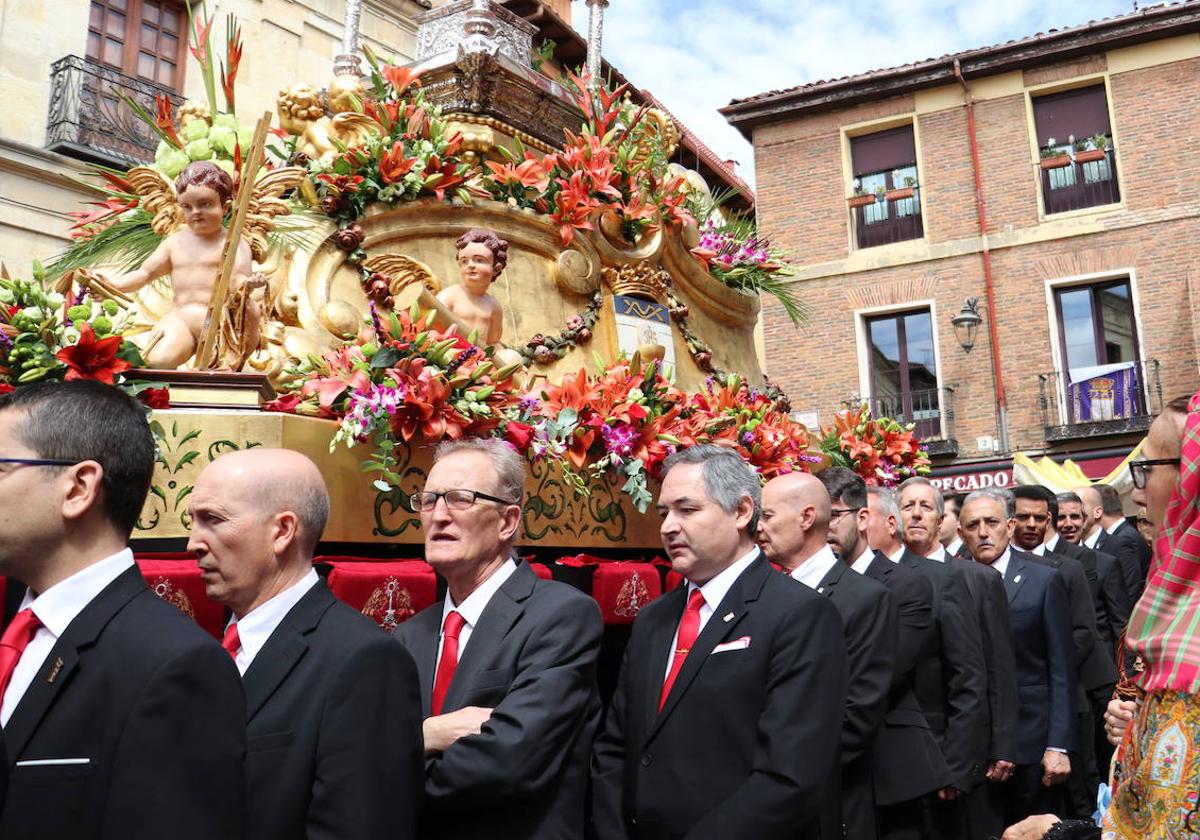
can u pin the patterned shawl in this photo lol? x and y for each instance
(1165, 625)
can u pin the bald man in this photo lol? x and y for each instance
(793, 532)
(333, 708)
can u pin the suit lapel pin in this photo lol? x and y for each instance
(821, 590)
(1017, 579)
(58, 663)
(728, 618)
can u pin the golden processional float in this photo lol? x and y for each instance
(461, 246)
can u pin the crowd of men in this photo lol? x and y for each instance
(933, 668)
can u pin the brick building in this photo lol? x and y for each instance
(1080, 244)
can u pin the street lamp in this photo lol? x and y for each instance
(966, 324)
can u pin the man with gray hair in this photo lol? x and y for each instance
(951, 676)
(1041, 625)
(728, 709)
(333, 720)
(507, 662)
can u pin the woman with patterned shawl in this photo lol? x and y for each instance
(1157, 772)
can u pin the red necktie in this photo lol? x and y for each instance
(231, 641)
(16, 637)
(689, 629)
(448, 662)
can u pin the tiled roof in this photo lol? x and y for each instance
(1148, 21)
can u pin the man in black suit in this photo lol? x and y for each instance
(122, 718)
(728, 710)
(1096, 674)
(507, 662)
(1041, 624)
(922, 507)
(952, 681)
(333, 716)
(792, 532)
(1122, 540)
(948, 534)
(907, 765)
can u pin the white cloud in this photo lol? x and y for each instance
(697, 55)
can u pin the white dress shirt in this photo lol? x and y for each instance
(1090, 542)
(56, 608)
(714, 592)
(897, 554)
(955, 545)
(813, 570)
(1039, 550)
(1052, 543)
(256, 626)
(1112, 529)
(939, 554)
(1001, 563)
(472, 607)
(864, 560)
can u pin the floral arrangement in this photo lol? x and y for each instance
(880, 449)
(414, 155)
(612, 172)
(622, 421)
(45, 335)
(733, 253)
(402, 379)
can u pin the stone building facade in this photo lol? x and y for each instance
(1085, 263)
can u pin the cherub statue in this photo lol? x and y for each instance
(302, 114)
(189, 217)
(482, 255)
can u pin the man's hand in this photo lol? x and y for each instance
(1031, 828)
(441, 731)
(948, 793)
(1000, 770)
(1117, 718)
(1057, 767)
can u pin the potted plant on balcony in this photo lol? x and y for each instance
(860, 198)
(1091, 148)
(1052, 157)
(897, 193)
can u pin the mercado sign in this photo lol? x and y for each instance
(968, 482)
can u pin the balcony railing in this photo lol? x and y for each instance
(931, 411)
(885, 220)
(1075, 186)
(1100, 400)
(88, 120)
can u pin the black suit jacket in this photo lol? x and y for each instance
(531, 658)
(1132, 552)
(907, 762)
(991, 604)
(870, 623)
(1094, 668)
(952, 675)
(747, 743)
(333, 728)
(1037, 603)
(154, 705)
(1109, 593)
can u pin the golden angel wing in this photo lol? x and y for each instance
(158, 199)
(266, 205)
(401, 271)
(353, 129)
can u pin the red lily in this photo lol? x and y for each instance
(394, 164)
(530, 173)
(92, 359)
(341, 183)
(575, 209)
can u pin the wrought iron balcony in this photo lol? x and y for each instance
(930, 411)
(1090, 182)
(885, 220)
(1101, 400)
(88, 120)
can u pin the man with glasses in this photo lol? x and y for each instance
(507, 662)
(333, 716)
(122, 718)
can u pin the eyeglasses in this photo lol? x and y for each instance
(837, 513)
(1139, 470)
(38, 462)
(455, 499)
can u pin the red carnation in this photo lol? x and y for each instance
(156, 398)
(92, 359)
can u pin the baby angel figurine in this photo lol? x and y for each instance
(482, 255)
(192, 256)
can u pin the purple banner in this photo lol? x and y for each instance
(1109, 392)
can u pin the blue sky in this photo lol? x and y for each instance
(696, 55)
